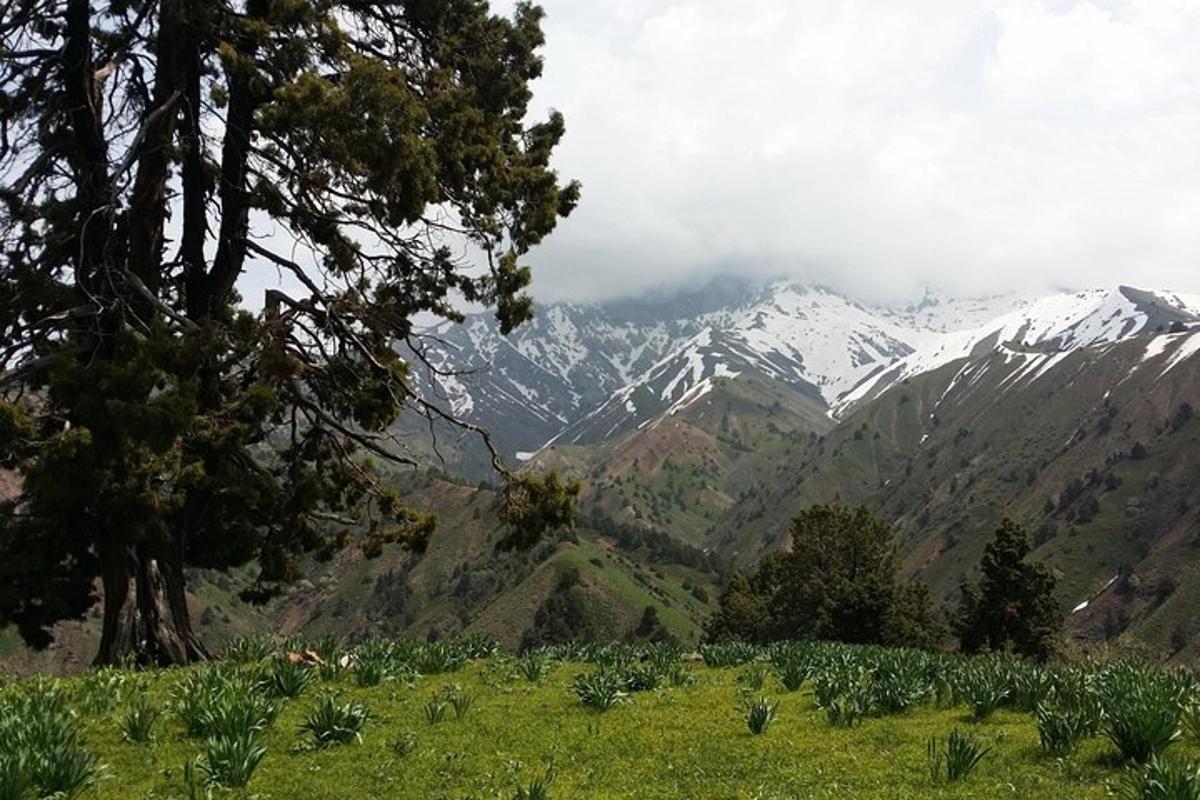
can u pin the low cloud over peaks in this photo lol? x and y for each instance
(877, 148)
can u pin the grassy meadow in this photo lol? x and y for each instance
(459, 721)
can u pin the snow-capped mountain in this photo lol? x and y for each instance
(582, 373)
(1051, 325)
(810, 338)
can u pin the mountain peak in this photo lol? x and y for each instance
(587, 372)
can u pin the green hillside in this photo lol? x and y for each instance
(461, 721)
(683, 472)
(460, 584)
(1096, 453)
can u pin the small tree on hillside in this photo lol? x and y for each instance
(1013, 606)
(840, 581)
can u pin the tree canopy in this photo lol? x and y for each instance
(1013, 606)
(370, 160)
(840, 581)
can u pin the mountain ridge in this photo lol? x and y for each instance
(583, 373)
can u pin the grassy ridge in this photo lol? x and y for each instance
(687, 737)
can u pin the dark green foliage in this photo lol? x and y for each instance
(439, 658)
(538, 788)
(137, 725)
(956, 758)
(898, 684)
(840, 581)
(984, 686)
(792, 673)
(42, 753)
(564, 615)
(728, 654)
(1061, 726)
(357, 149)
(760, 715)
(288, 679)
(372, 663)
(230, 759)
(223, 701)
(844, 691)
(533, 665)
(753, 677)
(1190, 720)
(459, 701)
(1142, 715)
(435, 709)
(330, 724)
(14, 778)
(1161, 779)
(650, 628)
(247, 649)
(1013, 607)
(601, 690)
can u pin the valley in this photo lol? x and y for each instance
(700, 424)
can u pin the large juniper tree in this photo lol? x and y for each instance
(374, 155)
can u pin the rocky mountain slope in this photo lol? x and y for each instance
(583, 374)
(1095, 449)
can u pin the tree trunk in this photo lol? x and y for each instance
(145, 608)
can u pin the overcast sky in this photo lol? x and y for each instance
(878, 147)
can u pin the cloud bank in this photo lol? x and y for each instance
(973, 146)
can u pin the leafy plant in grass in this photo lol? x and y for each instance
(100, 690)
(1161, 779)
(137, 725)
(330, 724)
(247, 649)
(730, 654)
(760, 715)
(792, 673)
(533, 666)
(679, 675)
(1189, 720)
(330, 653)
(372, 663)
(231, 759)
(238, 711)
(435, 709)
(287, 679)
(984, 690)
(14, 777)
(1030, 685)
(220, 701)
(1064, 720)
(845, 711)
(43, 748)
(64, 771)
(195, 782)
(538, 788)
(898, 685)
(753, 678)
(641, 677)
(461, 703)
(1143, 722)
(439, 658)
(955, 758)
(841, 679)
(844, 694)
(404, 744)
(600, 691)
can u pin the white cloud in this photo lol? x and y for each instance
(878, 147)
